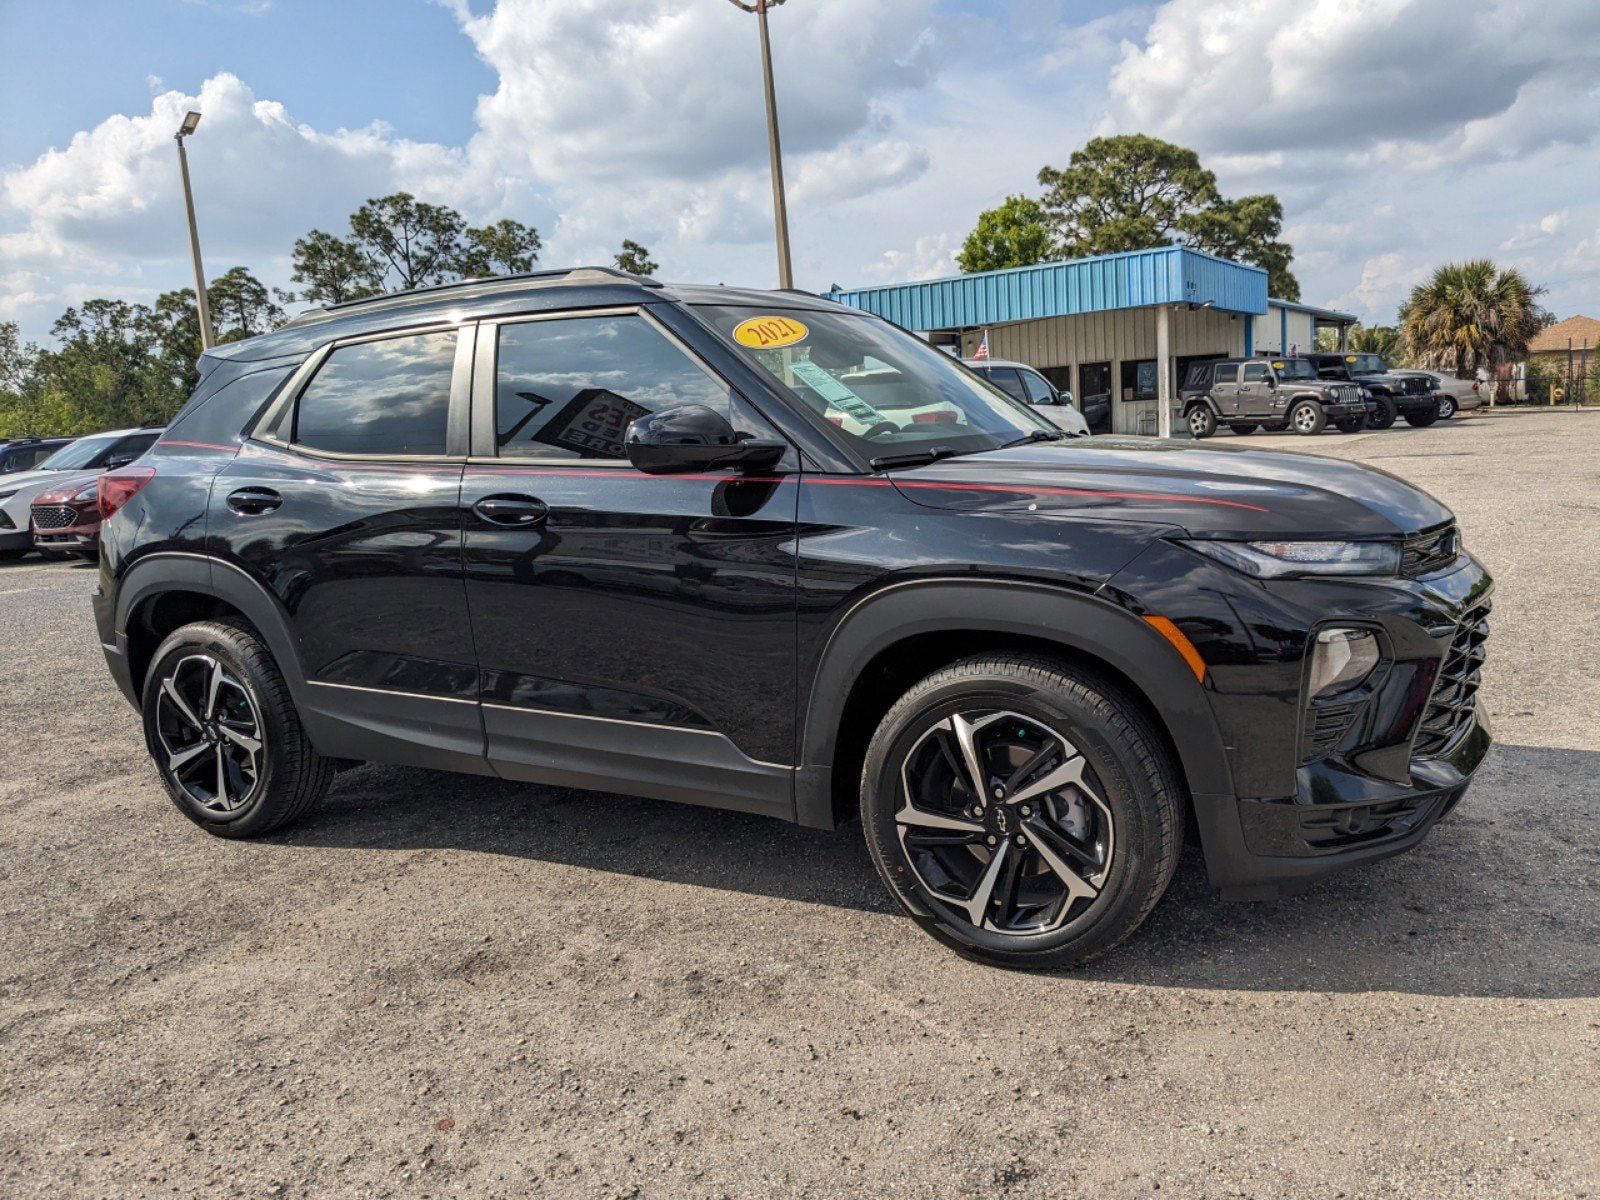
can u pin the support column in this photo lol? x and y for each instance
(1164, 370)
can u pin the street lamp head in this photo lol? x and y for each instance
(755, 7)
(190, 121)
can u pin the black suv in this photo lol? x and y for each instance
(1278, 393)
(592, 531)
(1409, 394)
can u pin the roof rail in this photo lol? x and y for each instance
(569, 275)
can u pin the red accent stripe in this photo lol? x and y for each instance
(195, 445)
(839, 481)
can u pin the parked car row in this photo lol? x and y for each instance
(1309, 393)
(49, 503)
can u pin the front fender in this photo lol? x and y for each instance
(1087, 627)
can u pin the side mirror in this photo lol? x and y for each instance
(1272, 382)
(693, 437)
(1066, 397)
(119, 460)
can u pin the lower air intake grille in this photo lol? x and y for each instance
(53, 516)
(1455, 694)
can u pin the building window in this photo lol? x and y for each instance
(1139, 381)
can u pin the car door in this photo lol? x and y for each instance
(345, 505)
(634, 631)
(1254, 393)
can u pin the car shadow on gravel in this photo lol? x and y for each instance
(1498, 902)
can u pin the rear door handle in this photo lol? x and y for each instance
(248, 502)
(512, 510)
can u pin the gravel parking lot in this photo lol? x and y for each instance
(448, 986)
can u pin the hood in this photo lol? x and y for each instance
(1218, 490)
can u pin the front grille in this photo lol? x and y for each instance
(1454, 702)
(1430, 551)
(53, 516)
(1414, 385)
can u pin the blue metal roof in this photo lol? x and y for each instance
(1139, 279)
(1331, 314)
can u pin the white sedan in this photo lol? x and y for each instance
(1455, 395)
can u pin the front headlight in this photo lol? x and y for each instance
(87, 492)
(8, 495)
(1283, 560)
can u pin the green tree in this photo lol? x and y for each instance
(1133, 192)
(505, 248)
(636, 259)
(334, 269)
(241, 306)
(19, 408)
(1016, 234)
(1470, 316)
(415, 242)
(1383, 340)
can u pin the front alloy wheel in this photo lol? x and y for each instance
(212, 738)
(1002, 821)
(1023, 811)
(1447, 407)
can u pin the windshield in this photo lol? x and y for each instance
(1294, 368)
(78, 455)
(1367, 364)
(889, 392)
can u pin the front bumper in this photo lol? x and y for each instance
(1394, 762)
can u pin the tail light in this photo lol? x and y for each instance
(116, 488)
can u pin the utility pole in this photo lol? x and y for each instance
(780, 206)
(190, 122)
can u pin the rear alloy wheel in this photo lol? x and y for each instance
(1351, 424)
(1202, 421)
(1242, 430)
(1307, 418)
(1023, 812)
(1447, 407)
(1385, 414)
(224, 734)
(1421, 420)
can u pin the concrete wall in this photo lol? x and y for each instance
(1128, 335)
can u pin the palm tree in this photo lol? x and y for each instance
(1471, 315)
(1383, 340)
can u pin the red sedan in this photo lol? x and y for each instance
(67, 521)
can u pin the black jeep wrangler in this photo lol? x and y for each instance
(763, 552)
(1246, 394)
(1409, 394)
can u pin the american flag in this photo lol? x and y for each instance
(983, 347)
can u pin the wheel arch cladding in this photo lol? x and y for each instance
(162, 592)
(905, 632)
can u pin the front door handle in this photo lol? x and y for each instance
(250, 501)
(512, 510)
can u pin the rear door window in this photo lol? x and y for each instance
(387, 397)
(1005, 378)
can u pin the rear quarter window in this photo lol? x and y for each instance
(386, 397)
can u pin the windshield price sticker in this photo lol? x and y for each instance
(770, 333)
(835, 393)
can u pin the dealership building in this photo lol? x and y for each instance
(1123, 325)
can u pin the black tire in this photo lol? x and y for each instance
(1421, 420)
(1243, 430)
(1385, 415)
(1128, 799)
(1351, 424)
(286, 776)
(1201, 420)
(1447, 407)
(1307, 418)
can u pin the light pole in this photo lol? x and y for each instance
(190, 121)
(780, 207)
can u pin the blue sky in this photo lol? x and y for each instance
(1399, 133)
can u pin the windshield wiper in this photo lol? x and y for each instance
(1038, 435)
(912, 458)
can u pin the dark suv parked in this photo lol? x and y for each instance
(588, 530)
(1279, 393)
(1413, 395)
